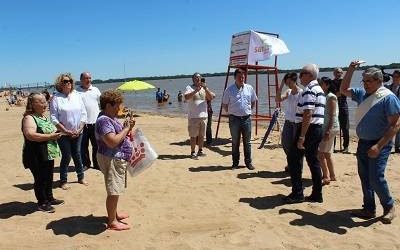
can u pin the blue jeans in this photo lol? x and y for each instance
(70, 147)
(372, 175)
(240, 125)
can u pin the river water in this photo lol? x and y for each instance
(144, 101)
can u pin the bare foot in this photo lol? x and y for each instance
(122, 216)
(325, 181)
(333, 178)
(118, 226)
(83, 182)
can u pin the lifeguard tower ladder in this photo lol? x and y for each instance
(271, 84)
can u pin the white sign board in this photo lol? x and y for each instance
(250, 47)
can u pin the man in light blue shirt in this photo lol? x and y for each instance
(377, 122)
(238, 100)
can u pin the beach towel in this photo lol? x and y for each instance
(143, 155)
(368, 103)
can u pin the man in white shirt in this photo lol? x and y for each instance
(197, 96)
(91, 97)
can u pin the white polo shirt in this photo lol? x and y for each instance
(91, 100)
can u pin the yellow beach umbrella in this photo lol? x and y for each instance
(135, 85)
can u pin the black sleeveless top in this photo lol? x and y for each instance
(33, 152)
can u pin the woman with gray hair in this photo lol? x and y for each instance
(40, 149)
(68, 114)
(377, 121)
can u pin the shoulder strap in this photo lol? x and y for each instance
(369, 102)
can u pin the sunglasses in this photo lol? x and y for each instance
(67, 81)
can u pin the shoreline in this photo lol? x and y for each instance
(179, 203)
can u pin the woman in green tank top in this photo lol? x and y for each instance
(40, 149)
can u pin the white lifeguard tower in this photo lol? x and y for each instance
(247, 49)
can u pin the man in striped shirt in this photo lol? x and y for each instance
(309, 121)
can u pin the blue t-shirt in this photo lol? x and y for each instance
(375, 123)
(105, 125)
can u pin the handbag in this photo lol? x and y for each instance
(143, 154)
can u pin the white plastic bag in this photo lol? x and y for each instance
(143, 154)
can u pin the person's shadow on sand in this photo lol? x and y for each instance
(212, 168)
(334, 222)
(215, 146)
(268, 174)
(266, 202)
(173, 157)
(263, 174)
(74, 225)
(14, 208)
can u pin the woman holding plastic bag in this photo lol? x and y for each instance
(114, 153)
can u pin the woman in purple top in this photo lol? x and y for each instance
(114, 152)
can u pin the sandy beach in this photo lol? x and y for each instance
(180, 203)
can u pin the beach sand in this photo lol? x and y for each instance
(181, 203)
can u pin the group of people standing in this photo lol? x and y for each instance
(238, 100)
(314, 115)
(67, 131)
(312, 123)
(75, 119)
(162, 97)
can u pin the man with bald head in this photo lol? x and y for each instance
(309, 121)
(91, 97)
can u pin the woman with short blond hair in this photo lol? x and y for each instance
(68, 114)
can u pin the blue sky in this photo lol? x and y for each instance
(40, 39)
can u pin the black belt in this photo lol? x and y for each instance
(311, 125)
(241, 117)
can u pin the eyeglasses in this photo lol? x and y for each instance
(67, 81)
(367, 81)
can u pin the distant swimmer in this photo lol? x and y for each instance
(180, 96)
(165, 96)
(159, 96)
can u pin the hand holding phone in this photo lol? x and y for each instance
(203, 82)
(356, 63)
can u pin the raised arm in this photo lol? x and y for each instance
(345, 86)
(279, 97)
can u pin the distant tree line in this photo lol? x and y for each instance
(327, 69)
(98, 81)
